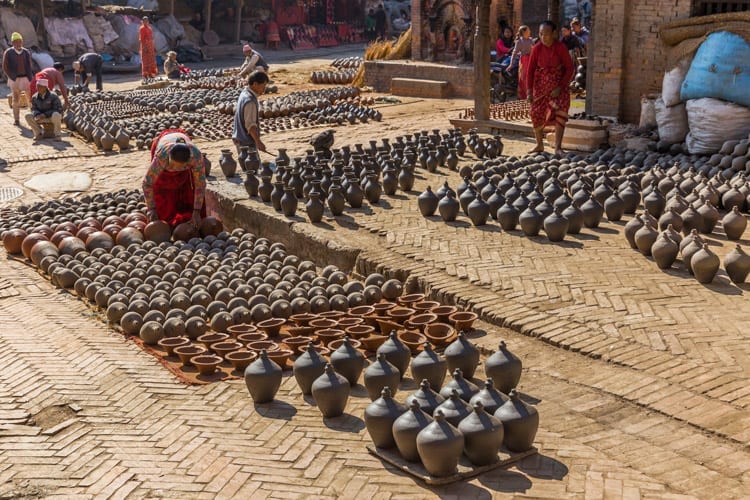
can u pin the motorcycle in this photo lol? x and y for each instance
(503, 82)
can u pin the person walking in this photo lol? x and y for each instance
(148, 53)
(521, 54)
(174, 187)
(54, 77)
(45, 108)
(17, 67)
(381, 22)
(253, 61)
(246, 130)
(549, 75)
(88, 65)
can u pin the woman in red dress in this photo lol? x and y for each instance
(549, 75)
(148, 53)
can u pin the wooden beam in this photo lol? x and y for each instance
(208, 16)
(482, 61)
(238, 24)
(171, 8)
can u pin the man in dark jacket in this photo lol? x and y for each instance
(246, 129)
(45, 108)
(88, 65)
(17, 67)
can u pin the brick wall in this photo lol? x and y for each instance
(460, 79)
(626, 56)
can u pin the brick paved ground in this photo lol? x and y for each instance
(639, 375)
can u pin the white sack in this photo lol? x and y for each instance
(672, 83)
(713, 122)
(171, 28)
(648, 113)
(672, 122)
(69, 31)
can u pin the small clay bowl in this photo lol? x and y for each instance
(386, 326)
(444, 312)
(326, 335)
(347, 322)
(372, 342)
(303, 319)
(169, 344)
(300, 331)
(361, 311)
(272, 326)
(297, 344)
(400, 314)
(207, 339)
(240, 359)
(381, 308)
(246, 338)
(186, 352)
(439, 333)
(321, 323)
(280, 357)
(335, 344)
(412, 340)
(224, 348)
(322, 350)
(463, 320)
(420, 321)
(359, 331)
(236, 330)
(425, 306)
(408, 300)
(206, 363)
(331, 314)
(268, 345)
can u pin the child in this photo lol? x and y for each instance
(521, 53)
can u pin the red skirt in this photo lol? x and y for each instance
(174, 194)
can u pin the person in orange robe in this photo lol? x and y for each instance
(148, 53)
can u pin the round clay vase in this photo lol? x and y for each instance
(710, 216)
(381, 374)
(504, 368)
(665, 251)
(465, 389)
(406, 428)
(336, 200)
(251, 185)
(395, 352)
(448, 207)
(380, 416)
(655, 202)
(614, 207)
(531, 221)
(227, 163)
(428, 365)
(705, 264)
(691, 219)
(483, 436)
(491, 398)
(478, 211)
(263, 378)
(690, 250)
(308, 367)
(462, 354)
(507, 215)
(314, 207)
(556, 226)
(331, 392)
(575, 218)
(454, 408)
(645, 237)
(737, 265)
(440, 446)
(427, 202)
(670, 216)
(428, 399)
(289, 202)
(348, 361)
(734, 224)
(520, 422)
(632, 227)
(592, 213)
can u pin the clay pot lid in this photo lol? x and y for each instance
(268, 345)
(280, 356)
(335, 344)
(251, 337)
(236, 330)
(326, 335)
(303, 319)
(271, 326)
(412, 298)
(240, 359)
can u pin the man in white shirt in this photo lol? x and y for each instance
(253, 61)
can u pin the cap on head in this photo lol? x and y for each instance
(171, 53)
(16, 36)
(42, 82)
(247, 48)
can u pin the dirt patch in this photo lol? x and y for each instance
(52, 415)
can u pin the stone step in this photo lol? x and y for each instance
(414, 87)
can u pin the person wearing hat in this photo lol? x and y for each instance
(54, 77)
(253, 61)
(17, 66)
(86, 66)
(174, 187)
(172, 68)
(148, 53)
(246, 129)
(45, 108)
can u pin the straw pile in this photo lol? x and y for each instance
(380, 50)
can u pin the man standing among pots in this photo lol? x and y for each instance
(17, 66)
(253, 61)
(45, 108)
(246, 130)
(86, 66)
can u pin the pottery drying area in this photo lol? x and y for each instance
(638, 374)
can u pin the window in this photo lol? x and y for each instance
(703, 8)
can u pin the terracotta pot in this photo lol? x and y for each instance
(381, 374)
(504, 368)
(705, 264)
(737, 265)
(520, 422)
(331, 392)
(406, 428)
(440, 446)
(483, 436)
(308, 367)
(490, 397)
(462, 354)
(380, 416)
(348, 361)
(263, 379)
(427, 398)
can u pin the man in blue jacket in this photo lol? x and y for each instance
(17, 67)
(246, 131)
(45, 108)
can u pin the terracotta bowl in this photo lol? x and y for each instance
(412, 340)
(236, 330)
(335, 344)
(331, 314)
(347, 322)
(169, 344)
(272, 326)
(359, 331)
(206, 363)
(208, 339)
(425, 306)
(372, 342)
(361, 311)
(463, 320)
(297, 344)
(246, 338)
(382, 307)
(186, 352)
(300, 331)
(439, 333)
(303, 319)
(444, 312)
(224, 348)
(326, 335)
(322, 323)
(386, 326)
(268, 345)
(420, 321)
(408, 300)
(280, 357)
(240, 359)
(322, 350)
(400, 314)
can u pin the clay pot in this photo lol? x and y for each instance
(263, 379)
(227, 163)
(241, 359)
(406, 428)
(478, 211)
(381, 374)
(428, 365)
(575, 219)
(520, 422)
(308, 367)
(348, 361)
(396, 352)
(670, 216)
(454, 408)
(12, 240)
(491, 398)
(41, 250)
(331, 392)
(504, 368)
(428, 399)
(185, 231)
(556, 226)
(665, 251)
(693, 246)
(157, 231)
(483, 436)
(531, 221)
(710, 216)
(592, 213)
(380, 416)
(206, 363)
(614, 207)
(734, 224)
(448, 207)
(440, 446)
(645, 237)
(427, 202)
(705, 264)
(210, 226)
(462, 354)
(737, 265)
(314, 207)
(507, 215)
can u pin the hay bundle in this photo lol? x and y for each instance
(380, 50)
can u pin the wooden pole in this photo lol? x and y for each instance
(41, 29)
(482, 61)
(238, 24)
(553, 11)
(171, 8)
(208, 15)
